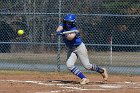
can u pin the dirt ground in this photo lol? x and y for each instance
(62, 82)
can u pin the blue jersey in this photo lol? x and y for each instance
(76, 41)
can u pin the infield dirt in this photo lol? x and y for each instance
(59, 82)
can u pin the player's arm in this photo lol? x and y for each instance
(72, 35)
(59, 29)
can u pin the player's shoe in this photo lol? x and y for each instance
(105, 74)
(84, 81)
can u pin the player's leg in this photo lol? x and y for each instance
(83, 56)
(72, 57)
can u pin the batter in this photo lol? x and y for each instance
(77, 49)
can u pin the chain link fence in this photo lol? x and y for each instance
(109, 28)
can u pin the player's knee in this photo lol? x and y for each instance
(69, 67)
(88, 67)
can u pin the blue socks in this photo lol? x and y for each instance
(97, 69)
(77, 72)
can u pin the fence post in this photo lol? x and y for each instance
(111, 50)
(59, 40)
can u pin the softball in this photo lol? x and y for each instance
(20, 32)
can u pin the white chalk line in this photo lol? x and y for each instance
(57, 91)
(79, 88)
(114, 85)
(111, 86)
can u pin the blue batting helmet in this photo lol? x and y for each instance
(70, 18)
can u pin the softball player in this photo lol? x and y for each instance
(77, 49)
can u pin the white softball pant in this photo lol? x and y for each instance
(81, 53)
